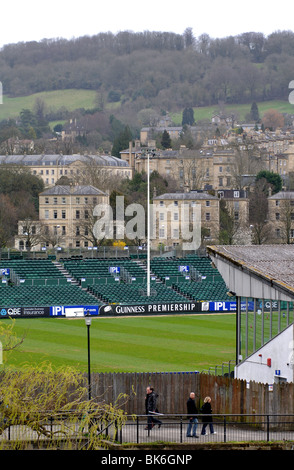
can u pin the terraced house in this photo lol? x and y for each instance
(79, 168)
(65, 218)
(179, 218)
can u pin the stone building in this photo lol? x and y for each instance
(281, 216)
(65, 218)
(50, 168)
(185, 217)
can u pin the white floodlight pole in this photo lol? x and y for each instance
(148, 226)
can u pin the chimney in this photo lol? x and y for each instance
(186, 188)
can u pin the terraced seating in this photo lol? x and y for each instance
(33, 269)
(22, 296)
(133, 294)
(207, 284)
(208, 291)
(93, 271)
(163, 267)
(49, 286)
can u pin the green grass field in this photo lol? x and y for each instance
(206, 112)
(74, 99)
(70, 99)
(144, 344)
(139, 344)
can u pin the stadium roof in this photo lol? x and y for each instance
(260, 271)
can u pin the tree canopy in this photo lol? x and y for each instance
(273, 179)
(152, 68)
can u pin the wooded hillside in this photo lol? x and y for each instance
(155, 69)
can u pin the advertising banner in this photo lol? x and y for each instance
(24, 312)
(74, 311)
(145, 309)
(41, 312)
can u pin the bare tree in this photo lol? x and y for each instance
(8, 219)
(32, 232)
(258, 213)
(51, 235)
(84, 227)
(286, 218)
(248, 160)
(96, 175)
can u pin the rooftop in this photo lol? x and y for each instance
(56, 159)
(192, 195)
(283, 195)
(272, 262)
(74, 189)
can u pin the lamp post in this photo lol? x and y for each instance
(88, 321)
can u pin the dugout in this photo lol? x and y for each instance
(262, 279)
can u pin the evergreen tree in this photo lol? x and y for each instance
(254, 113)
(274, 179)
(188, 117)
(122, 141)
(165, 140)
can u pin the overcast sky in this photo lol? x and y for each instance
(23, 21)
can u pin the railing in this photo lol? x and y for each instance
(226, 428)
(173, 429)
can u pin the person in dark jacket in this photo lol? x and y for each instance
(192, 411)
(151, 407)
(207, 410)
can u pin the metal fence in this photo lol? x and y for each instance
(227, 428)
(172, 429)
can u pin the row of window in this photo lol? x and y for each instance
(62, 214)
(176, 216)
(78, 244)
(175, 233)
(176, 203)
(278, 216)
(291, 202)
(182, 172)
(78, 230)
(78, 200)
(279, 233)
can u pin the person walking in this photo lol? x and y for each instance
(192, 411)
(151, 408)
(207, 410)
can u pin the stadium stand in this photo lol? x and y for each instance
(203, 282)
(97, 281)
(24, 296)
(134, 293)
